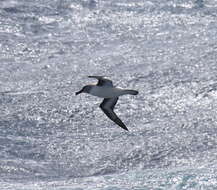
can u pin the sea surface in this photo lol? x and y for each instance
(51, 139)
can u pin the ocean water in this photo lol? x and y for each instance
(51, 139)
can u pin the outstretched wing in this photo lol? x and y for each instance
(107, 107)
(102, 81)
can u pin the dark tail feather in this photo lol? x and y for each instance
(132, 92)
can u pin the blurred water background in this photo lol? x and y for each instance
(166, 49)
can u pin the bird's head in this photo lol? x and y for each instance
(85, 89)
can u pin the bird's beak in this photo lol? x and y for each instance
(79, 92)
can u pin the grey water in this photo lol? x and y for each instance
(52, 139)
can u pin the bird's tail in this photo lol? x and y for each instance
(132, 92)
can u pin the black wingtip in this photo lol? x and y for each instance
(125, 128)
(121, 124)
(94, 76)
(136, 92)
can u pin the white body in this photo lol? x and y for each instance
(106, 91)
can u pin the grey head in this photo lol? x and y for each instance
(85, 89)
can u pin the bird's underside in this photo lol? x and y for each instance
(107, 107)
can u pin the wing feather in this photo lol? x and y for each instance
(107, 107)
(102, 81)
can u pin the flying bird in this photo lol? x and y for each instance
(105, 89)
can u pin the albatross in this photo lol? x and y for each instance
(105, 89)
